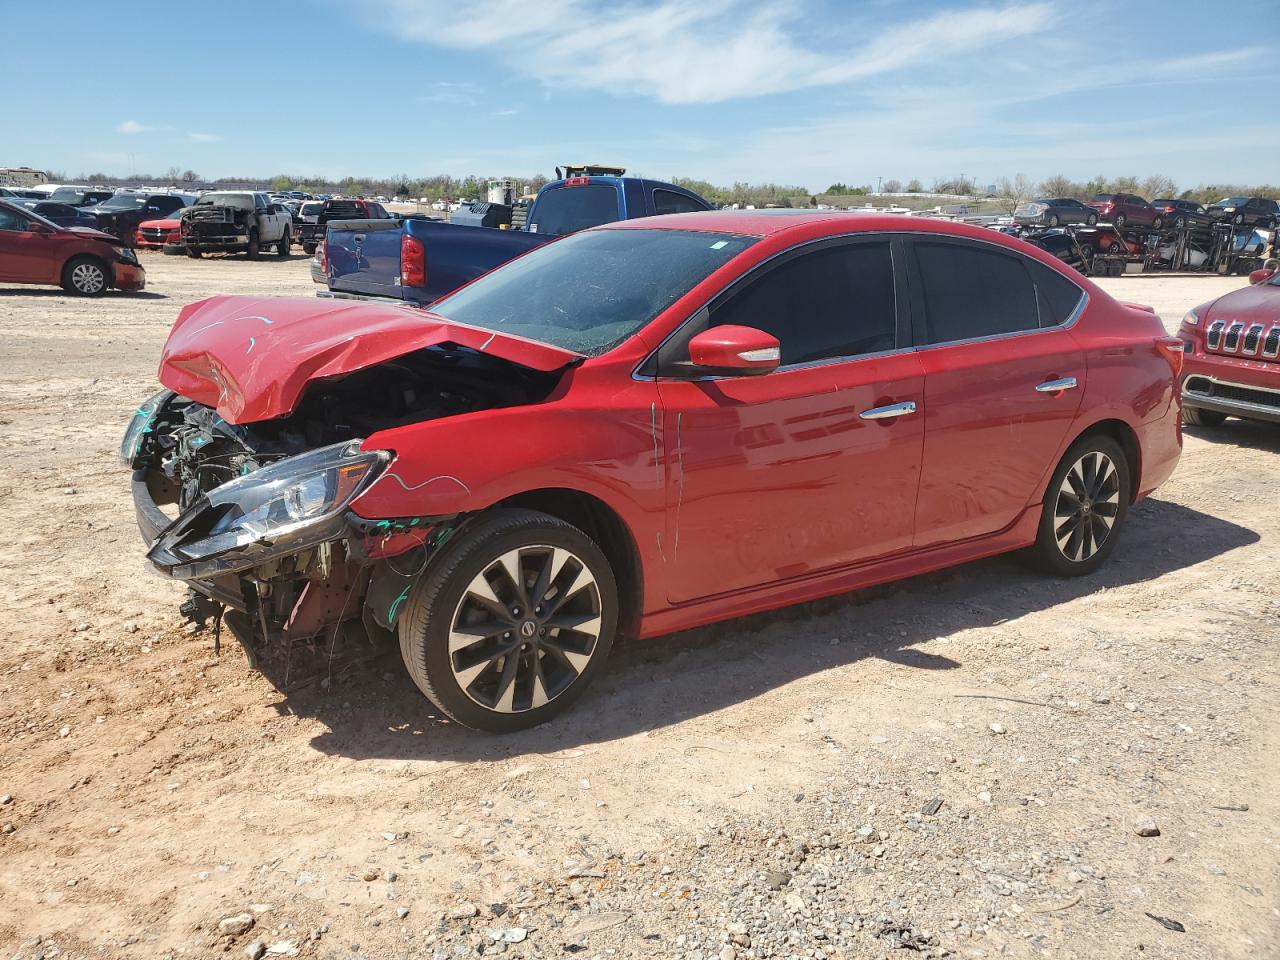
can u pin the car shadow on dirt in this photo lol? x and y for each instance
(374, 711)
(58, 292)
(1240, 433)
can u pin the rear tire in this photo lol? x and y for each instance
(309, 248)
(1084, 509)
(1199, 417)
(86, 276)
(1053, 221)
(1091, 219)
(1157, 223)
(285, 242)
(194, 254)
(1119, 221)
(498, 656)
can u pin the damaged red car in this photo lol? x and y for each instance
(642, 428)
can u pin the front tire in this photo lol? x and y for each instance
(511, 622)
(86, 276)
(282, 247)
(1085, 507)
(255, 246)
(1053, 221)
(1091, 219)
(1199, 417)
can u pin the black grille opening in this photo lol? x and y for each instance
(1232, 340)
(1251, 339)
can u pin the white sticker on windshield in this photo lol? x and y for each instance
(719, 244)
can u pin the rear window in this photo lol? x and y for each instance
(589, 292)
(564, 210)
(311, 209)
(241, 201)
(1104, 196)
(343, 210)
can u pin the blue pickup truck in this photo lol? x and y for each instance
(420, 259)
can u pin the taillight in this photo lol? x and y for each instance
(1171, 348)
(413, 262)
(323, 253)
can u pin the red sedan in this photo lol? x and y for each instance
(81, 260)
(642, 428)
(1232, 365)
(156, 233)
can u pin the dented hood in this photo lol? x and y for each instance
(251, 358)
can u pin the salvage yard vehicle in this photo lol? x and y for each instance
(313, 230)
(1055, 211)
(1246, 211)
(121, 215)
(642, 428)
(155, 234)
(63, 214)
(1182, 213)
(79, 259)
(420, 260)
(1232, 363)
(1120, 209)
(234, 222)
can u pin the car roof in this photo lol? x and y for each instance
(766, 223)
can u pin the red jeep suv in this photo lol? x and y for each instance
(1232, 362)
(81, 260)
(638, 429)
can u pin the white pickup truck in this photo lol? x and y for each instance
(233, 222)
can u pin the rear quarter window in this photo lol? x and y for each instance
(566, 210)
(1056, 297)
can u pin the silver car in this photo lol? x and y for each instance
(1054, 212)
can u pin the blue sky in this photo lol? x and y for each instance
(793, 91)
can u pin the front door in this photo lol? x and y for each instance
(814, 465)
(28, 251)
(1003, 381)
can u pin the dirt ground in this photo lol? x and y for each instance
(749, 790)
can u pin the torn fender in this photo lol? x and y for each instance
(251, 358)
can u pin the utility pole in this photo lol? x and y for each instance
(879, 180)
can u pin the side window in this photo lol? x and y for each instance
(971, 292)
(12, 221)
(665, 201)
(259, 201)
(1056, 296)
(837, 302)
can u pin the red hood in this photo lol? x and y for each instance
(250, 358)
(1259, 303)
(91, 234)
(163, 223)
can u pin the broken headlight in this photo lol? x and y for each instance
(140, 426)
(277, 510)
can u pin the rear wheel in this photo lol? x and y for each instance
(1199, 417)
(1053, 221)
(255, 247)
(1091, 219)
(194, 254)
(85, 276)
(1158, 222)
(308, 248)
(1238, 219)
(1119, 220)
(511, 622)
(1084, 508)
(282, 247)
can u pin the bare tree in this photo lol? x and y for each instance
(914, 186)
(893, 186)
(1158, 186)
(1061, 186)
(1010, 194)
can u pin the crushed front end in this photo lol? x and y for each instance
(212, 227)
(255, 519)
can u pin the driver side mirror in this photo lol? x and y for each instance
(733, 349)
(1261, 276)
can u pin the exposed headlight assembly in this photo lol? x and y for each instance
(140, 426)
(278, 510)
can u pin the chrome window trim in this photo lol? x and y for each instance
(868, 235)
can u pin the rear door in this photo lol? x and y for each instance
(1003, 381)
(814, 465)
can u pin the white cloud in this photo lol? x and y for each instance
(698, 51)
(132, 126)
(203, 137)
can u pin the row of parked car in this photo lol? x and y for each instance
(1127, 210)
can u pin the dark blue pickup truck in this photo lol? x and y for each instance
(421, 259)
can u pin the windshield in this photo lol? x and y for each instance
(589, 292)
(564, 210)
(124, 201)
(243, 201)
(1233, 201)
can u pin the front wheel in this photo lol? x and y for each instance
(511, 622)
(255, 246)
(85, 276)
(1091, 219)
(1119, 220)
(1085, 506)
(1157, 223)
(282, 247)
(1199, 417)
(1053, 221)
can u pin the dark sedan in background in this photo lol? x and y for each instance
(1246, 212)
(1054, 211)
(64, 215)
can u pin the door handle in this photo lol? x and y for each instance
(1056, 386)
(889, 412)
(359, 238)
